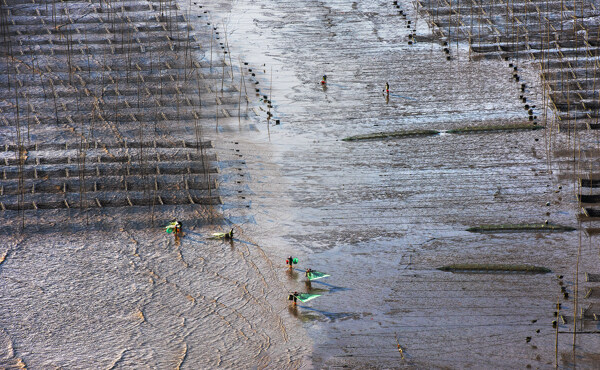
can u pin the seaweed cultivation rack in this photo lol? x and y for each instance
(560, 36)
(103, 105)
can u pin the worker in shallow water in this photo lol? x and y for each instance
(324, 80)
(294, 298)
(175, 227)
(178, 230)
(308, 274)
(387, 88)
(291, 261)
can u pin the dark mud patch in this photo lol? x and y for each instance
(589, 183)
(592, 231)
(589, 213)
(494, 268)
(592, 278)
(520, 228)
(394, 134)
(589, 198)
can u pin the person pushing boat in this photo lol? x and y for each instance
(315, 275)
(302, 297)
(294, 298)
(225, 236)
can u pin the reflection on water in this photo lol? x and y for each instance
(332, 288)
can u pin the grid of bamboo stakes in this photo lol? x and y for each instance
(563, 39)
(560, 36)
(103, 104)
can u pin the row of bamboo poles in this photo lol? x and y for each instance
(116, 72)
(562, 38)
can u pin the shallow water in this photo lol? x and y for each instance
(379, 216)
(82, 301)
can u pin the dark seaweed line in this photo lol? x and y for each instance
(485, 267)
(385, 135)
(520, 227)
(465, 130)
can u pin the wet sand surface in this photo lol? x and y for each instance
(380, 216)
(84, 301)
(96, 282)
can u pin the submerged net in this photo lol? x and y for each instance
(305, 297)
(314, 275)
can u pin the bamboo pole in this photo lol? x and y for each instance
(19, 156)
(240, 96)
(216, 106)
(556, 334)
(228, 51)
(223, 76)
(575, 293)
(457, 28)
(270, 93)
